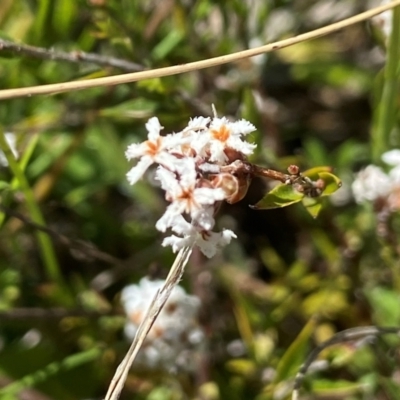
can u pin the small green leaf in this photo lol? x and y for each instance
(279, 196)
(340, 388)
(332, 183)
(312, 205)
(314, 173)
(295, 354)
(167, 44)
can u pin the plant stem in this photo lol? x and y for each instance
(387, 109)
(54, 368)
(45, 244)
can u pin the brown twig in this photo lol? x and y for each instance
(76, 56)
(80, 247)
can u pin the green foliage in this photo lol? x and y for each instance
(284, 195)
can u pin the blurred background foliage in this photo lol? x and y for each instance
(284, 286)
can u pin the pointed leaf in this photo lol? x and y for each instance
(296, 353)
(312, 205)
(279, 196)
(314, 173)
(332, 183)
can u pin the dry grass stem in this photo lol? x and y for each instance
(161, 297)
(194, 66)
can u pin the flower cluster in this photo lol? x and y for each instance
(175, 335)
(373, 184)
(198, 168)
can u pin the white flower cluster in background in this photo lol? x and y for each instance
(373, 183)
(194, 167)
(175, 336)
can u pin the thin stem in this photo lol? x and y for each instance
(157, 304)
(76, 56)
(387, 108)
(54, 368)
(341, 337)
(194, 66)
(45, 244)
(270, 174)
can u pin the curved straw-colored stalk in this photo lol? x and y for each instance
(194, 66)
(161, 297)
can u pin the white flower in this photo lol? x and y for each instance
(207, 241)
(185, 197)
(370, 184)
(391, 157)
(153, 150)
(175, 331)
(224, 134)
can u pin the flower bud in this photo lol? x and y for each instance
(293, 169)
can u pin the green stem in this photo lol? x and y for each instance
(45, 244)
(386, 111)
(54, 368)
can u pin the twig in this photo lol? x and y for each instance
(85, 248)
(344, 336)
(76, 56)
(158, 302)
(193, 66)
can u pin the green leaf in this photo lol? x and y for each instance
(314, 173)
(312, 205)
(295, 354)
(167, 44)
(332, 183)
(338, 388)
(385, 305)
(279, 196)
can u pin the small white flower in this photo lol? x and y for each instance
(224, 134)
(207, 241)
(153, 150)
(197, 124)
(391, 157)
(370, 184)
(185, 197)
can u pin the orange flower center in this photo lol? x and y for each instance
(222, 134)
(153, 146)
